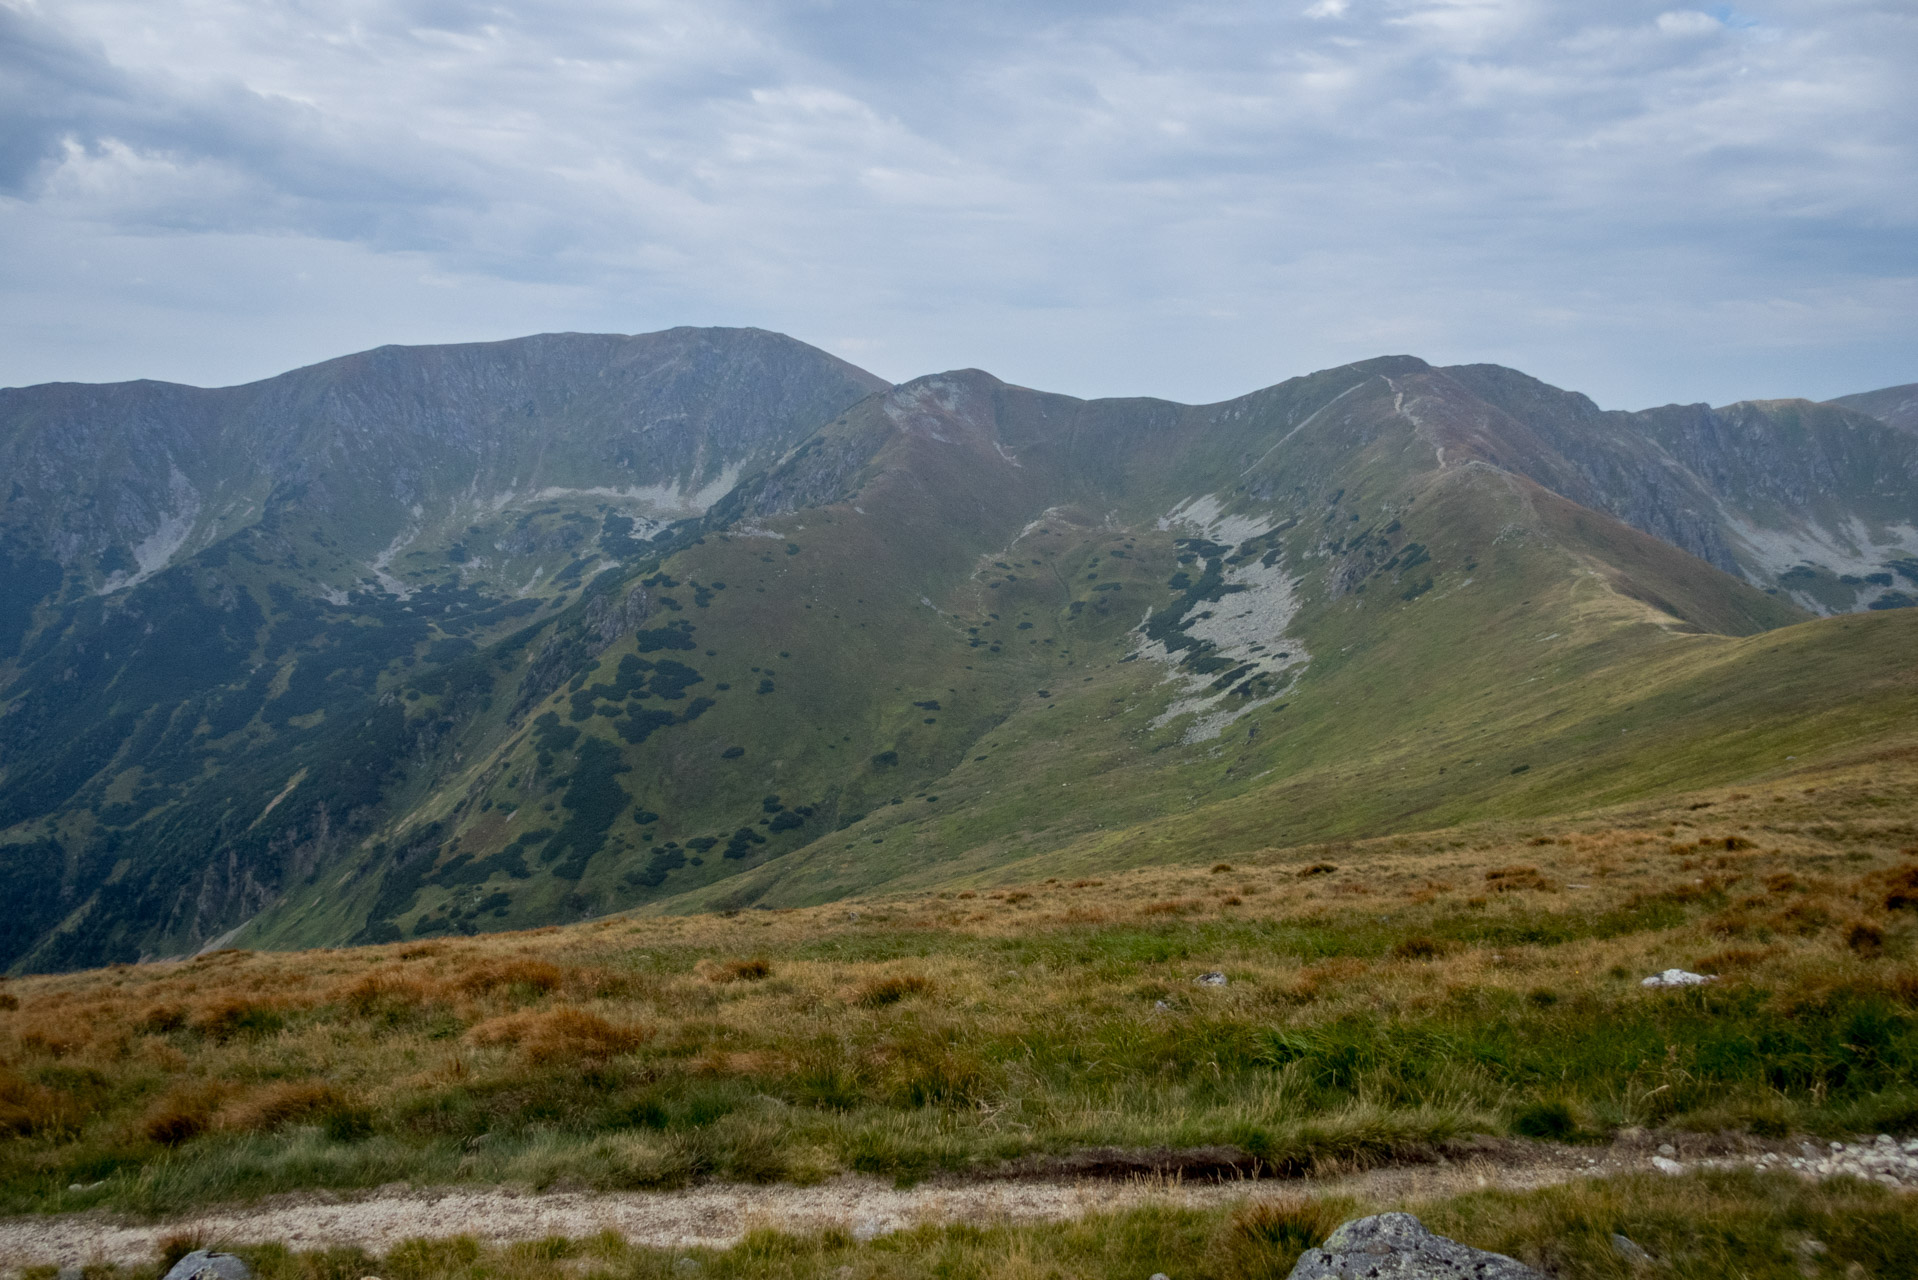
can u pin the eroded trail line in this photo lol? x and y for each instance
(711, 1215)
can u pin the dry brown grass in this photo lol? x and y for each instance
(559, 1035)
(273, 1105)
(180, 1053)
(755, 970)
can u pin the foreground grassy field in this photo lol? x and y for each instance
(1379, 998)
(1707, 1226)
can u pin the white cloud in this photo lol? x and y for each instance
(1188, 198)
(1689, 22)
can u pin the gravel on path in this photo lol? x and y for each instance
(717, 1215)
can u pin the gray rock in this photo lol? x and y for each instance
(1213, 979)
(205, 1264)
(1629, 1249)
(1396, 1246)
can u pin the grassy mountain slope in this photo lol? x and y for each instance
(210, 595)
(1019, 629)
(905, 638)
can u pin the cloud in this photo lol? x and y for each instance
(1188, 198)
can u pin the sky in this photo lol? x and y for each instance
(1185, 199)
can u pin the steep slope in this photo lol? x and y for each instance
(207, 594)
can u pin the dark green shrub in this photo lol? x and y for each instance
(1553, 1121)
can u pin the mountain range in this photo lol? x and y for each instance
(430, 640)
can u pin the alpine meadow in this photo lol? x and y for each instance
(601, 764)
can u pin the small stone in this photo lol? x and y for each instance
(1664, 1165)
(70, 1272)
(1629, 1249)
(1160, 1275)
(205, 1264)
(1160, 1005)
(1213, 979)
(870, 1229)
(1396, 1246)
(1667, 1149)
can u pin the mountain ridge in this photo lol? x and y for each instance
(388, 702)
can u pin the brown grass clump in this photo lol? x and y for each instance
(277, 1104)
(27, 1108)
(229, 1017)
(1317, 869)
(753, 970)
(56, 1036)
(1514, 878)
(384, 992)
(559, 1035)
(1418, 947)
(1866, 938)
(540, 976)
(158, 1019)
(1733, 958)
(1172, 907)
(881, 992)
(182, 1114)
(1901, 888)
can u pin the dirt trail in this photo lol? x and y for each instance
(716, 1215)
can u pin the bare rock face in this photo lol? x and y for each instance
(1396, 1246)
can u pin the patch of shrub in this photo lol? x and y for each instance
(1317, 869)
(881, 992)
(744, 970)
(1866, 938)
(1550, 1121)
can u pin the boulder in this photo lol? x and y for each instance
(1396, 1246)
(205, 1264)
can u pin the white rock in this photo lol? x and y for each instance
(1677, 978)
(1664, 1165)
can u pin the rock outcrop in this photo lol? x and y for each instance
(1396, 1246)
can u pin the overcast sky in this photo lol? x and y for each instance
(1649, 204)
